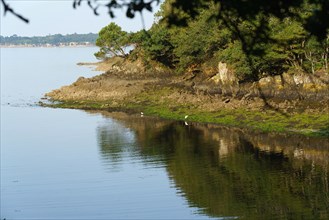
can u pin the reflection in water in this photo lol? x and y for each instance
(115, 142)
(227, 172)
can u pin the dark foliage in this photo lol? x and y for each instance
(317, 24)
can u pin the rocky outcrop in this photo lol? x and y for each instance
(127, 81)
(311, 89)
(301, 87)
(99, 88)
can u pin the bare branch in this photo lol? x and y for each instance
(7, 8)
(131, 6)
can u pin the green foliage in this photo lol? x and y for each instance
(289, 37)
(155, 44)
(112, 40)
(234, 55)
(158, 44)
(193, 45)
(314, 53)
(253, 45)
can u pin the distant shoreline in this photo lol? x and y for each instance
(55, 40)
(45, 46)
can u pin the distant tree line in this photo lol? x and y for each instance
(56, 39)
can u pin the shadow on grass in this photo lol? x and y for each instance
(323, 132)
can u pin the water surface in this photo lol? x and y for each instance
(71, 164)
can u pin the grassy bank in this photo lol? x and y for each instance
(265, 120)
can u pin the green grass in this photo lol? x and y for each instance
(265, 121)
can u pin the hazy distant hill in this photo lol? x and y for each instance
(55, 40)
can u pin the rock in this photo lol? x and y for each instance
(224, 75)
(266, 81)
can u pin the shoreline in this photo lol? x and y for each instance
(44, 46)
(253, 121)
(172, 97)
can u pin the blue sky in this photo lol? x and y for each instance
(58, 16)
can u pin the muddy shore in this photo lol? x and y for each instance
(281, 104)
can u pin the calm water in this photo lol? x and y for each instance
(71, 164)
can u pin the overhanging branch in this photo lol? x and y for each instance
(7, 8)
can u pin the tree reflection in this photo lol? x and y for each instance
(233, 173)
(114, 140)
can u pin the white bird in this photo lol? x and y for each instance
(186, 116)
(142, 114)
